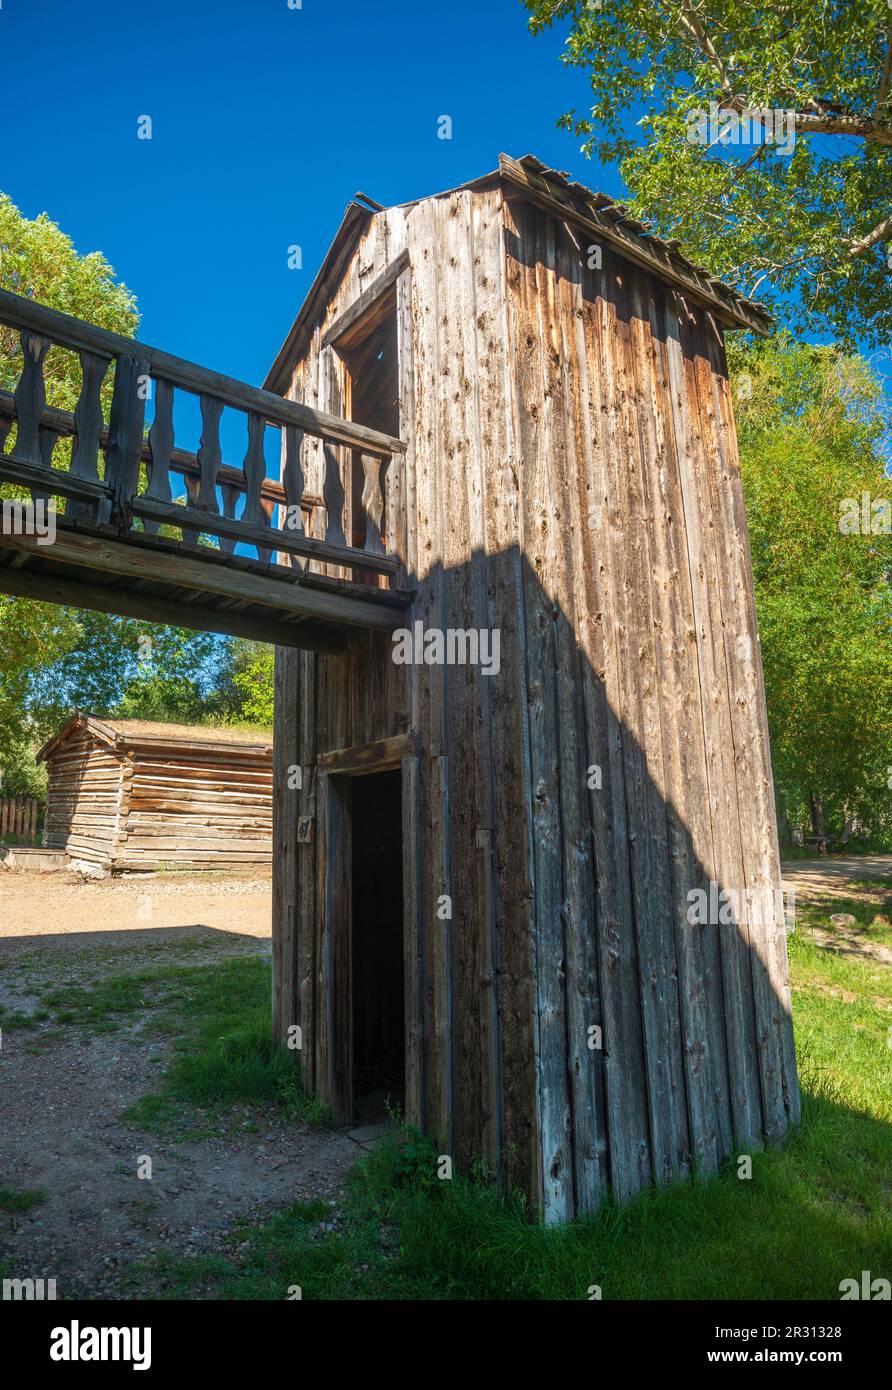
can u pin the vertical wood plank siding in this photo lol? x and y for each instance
(572, 481)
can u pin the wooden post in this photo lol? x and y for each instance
(161, 446)
(30, 398)
(125, 432)
(89, 423)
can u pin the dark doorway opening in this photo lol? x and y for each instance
(377, 973)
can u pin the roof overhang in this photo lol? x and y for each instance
(594, 213)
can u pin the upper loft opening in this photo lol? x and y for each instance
(368, 348)
(372, 370)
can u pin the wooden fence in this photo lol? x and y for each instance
(19, 816)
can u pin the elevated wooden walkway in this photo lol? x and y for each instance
(243, 553)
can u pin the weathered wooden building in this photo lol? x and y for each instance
(136, 795)
(525, 854)
(487, 885)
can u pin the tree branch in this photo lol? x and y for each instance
(883, 94)
(881, 232)
(863, 127)
(691, 21)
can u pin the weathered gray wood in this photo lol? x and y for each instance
(565, 385)
(231, 496)
(621, 1042)
(161, 436)
(89, 424)
(729, 852)
(48, 438)
(373, 503)
(182, 461)
(30, 397)
(541, 614)
(336, 466)
(77, 593)
(255, 471)
(124, 558)
(293, 487)
(684, 754)
(210, 457)
(640, 251)
(369, 757)
(51, 481)
(643, 758)
(125, 438)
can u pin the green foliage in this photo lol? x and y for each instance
(788, 227)
(21, 1201)
(39, 261)
(810, 424)
(415, 1159)
(252, 670)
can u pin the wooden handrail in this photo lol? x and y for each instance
(135, 481)
(182, 461)
(74, 333)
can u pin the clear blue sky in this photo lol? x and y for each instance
(266, 120)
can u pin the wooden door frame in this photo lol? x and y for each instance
(336, 771)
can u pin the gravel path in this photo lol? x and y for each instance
(63, 1092)
(826, 875)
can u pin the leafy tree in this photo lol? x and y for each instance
(806, 221)
(811, 425)
(251, 682)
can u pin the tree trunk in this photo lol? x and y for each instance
(817, 814)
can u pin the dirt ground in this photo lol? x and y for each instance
(63, 1092)
(54, 905)
(836, 874)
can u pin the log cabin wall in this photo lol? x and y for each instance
(134, 796)
(83, 798)
(572, 481)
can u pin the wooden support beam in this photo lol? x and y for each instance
(113, 598)
(56, 483)
(291, 542)
(279, 593)
(369, 757)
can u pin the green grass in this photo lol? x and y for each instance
(216, 1017)
(813, 1213)
(21, 1201)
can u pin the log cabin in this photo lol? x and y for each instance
(135, 795)
(502, 422)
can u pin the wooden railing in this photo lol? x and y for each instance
(18, 819)
(118, 475)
